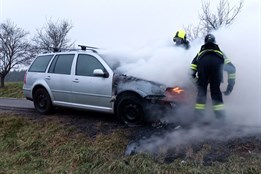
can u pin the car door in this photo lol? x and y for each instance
(59, 78)
(90, 90)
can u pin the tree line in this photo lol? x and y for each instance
(15, 76)
(17, 49)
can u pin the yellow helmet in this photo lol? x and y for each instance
(181, 34)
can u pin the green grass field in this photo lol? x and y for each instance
(12, 90)
(47, 146)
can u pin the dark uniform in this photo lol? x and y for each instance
(207, 68)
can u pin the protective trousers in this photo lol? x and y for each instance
(210, 71)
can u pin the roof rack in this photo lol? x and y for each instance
(63, 49)
(83, 48)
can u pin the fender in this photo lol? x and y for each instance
(42, 82)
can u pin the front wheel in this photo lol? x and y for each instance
(130, 110)
(42, 101)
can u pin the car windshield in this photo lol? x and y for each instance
(113, 63)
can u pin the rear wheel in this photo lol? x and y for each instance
(130, 110)
(42, 101)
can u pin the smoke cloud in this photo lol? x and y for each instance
(243, 105)
(159, 60)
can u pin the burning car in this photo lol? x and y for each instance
(83, 79)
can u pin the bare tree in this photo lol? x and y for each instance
(193, 32)
(225, 15)
(210, 20)
(53, 35)
(15, 49)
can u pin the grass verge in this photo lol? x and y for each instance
(47, 146)
(12, 90)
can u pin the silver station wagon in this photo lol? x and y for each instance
(82, 79)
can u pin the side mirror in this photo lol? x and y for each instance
(100, 73)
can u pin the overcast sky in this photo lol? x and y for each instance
(105, 22)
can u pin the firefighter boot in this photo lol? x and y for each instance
(199, 117)
(220, 118)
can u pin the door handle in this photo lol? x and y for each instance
(48, 78)
(76, 81)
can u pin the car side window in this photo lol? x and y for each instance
(62, 64)
(40, 64)
(86, 64)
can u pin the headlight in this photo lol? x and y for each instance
(158, 89)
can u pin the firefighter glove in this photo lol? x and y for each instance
(231, 82)
(229, 89)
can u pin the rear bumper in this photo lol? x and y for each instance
(28, 94)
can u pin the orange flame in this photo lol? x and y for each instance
(177, 90)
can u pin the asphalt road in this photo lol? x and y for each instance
(16, 103)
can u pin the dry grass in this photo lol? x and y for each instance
(48, 146)
(12, 89)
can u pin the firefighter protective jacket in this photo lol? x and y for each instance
(213, 48)
(186, 44)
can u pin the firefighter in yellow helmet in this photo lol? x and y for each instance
(180, 39)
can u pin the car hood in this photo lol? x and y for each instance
(123, 82)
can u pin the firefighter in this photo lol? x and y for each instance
(207, 68)
(180, 39)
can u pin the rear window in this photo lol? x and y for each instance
(40, 64)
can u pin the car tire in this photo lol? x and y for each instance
(130, 110)
(42, 101)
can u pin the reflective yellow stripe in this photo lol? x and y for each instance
(200, 106)
(201, 52)
(216, 51)
(194, 66)
(227, 61)
(232, 76)
(218, 107)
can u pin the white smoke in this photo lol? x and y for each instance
(164, 63)
(241, 43)
(182, 137)
(161, 61)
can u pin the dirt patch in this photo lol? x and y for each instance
(205, 145)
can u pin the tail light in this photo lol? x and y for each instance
(25, 77)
